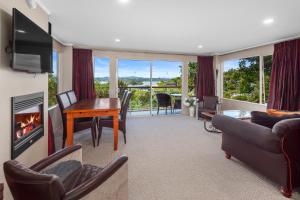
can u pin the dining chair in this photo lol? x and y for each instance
(108, 122)
(209, 104)
(123, 98)
(79, 124)
(163, 100)
(72, 96)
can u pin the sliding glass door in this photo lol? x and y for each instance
(147, 78)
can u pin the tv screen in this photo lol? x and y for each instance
(32, 46)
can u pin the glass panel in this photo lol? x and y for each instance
(266, 77)
(241, 79)
(134, 75)
(166, 78)
(101, 77)
(53, 81)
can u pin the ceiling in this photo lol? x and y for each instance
(173, 26)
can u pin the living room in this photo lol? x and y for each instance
(126, 99)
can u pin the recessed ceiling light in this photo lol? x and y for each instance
(117, 40)
(268, 21)
(124, 1)
(200, 46)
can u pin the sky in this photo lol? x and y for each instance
(232, 64)
(161, 69)
(54, 63)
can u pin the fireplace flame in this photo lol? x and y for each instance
(28, 124)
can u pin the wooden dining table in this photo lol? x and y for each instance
(93, 108)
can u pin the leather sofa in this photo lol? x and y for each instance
(50, 180)
(274, 152)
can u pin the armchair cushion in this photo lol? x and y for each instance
(267, 120)
(67, 171)
(260, 136)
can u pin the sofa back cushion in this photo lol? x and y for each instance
(264, 119)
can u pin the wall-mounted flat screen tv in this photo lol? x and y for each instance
(32, 46)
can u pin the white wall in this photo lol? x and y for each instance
(14, 83)
(229, 104)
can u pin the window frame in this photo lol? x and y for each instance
(262, 101)
(57, 76)
(109, 70)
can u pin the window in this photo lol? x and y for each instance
(101, 77)
(192, 78)
(241, 79)
(266, 78)
(53, 80)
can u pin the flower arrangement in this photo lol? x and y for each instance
(190, 102)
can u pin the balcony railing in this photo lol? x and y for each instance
(143, 99)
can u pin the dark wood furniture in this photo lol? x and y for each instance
(90, 182)
(163, 100)
(79, 124)
(93, 108)
(108, 122)
(274, 152)
(208, 105)
(177, 101)
(1, 191)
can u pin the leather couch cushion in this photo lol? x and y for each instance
(67, 171)
(264, 119)
(88, 171)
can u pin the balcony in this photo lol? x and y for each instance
(144, 101)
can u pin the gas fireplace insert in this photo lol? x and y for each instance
(27, 122)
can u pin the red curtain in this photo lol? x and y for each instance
(285, 78)
(205, 83)
(51, 143)
(83, 75)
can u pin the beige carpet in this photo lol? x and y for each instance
(173, 158)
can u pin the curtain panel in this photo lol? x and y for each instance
(205, 83)
(284, 91)
(83, 74)
(51, 143)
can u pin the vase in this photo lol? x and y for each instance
(192, 111)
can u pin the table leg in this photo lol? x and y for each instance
(116, 130)
(70, 130)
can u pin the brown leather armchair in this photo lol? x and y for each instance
(91, 182)
(274, 152)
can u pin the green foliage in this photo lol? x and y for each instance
(267, 75)
(242, 83)
(192, 77)
(52, 90)
(134, 82)
(102, 89)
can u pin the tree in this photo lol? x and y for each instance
(192, 77)
(52, 90)
(242, 83)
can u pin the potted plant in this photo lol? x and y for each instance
(190, 103)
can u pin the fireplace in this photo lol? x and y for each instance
(27, 122)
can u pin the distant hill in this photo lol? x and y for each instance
(136, 78)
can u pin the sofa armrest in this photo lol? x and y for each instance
(69, 153)
(251, 133)
(286, 127)
(110, 183)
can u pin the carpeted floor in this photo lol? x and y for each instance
(173, 158)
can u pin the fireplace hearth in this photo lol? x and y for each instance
(27, 122)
